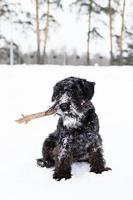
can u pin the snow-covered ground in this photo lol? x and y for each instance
(27, 89)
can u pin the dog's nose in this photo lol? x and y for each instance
(65, 106)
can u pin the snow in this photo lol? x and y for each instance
(28, 89)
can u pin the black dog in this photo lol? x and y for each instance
(77, 135)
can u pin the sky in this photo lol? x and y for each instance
(71, 35)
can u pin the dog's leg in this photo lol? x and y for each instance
(47, 152)
(63, 168)
(97, 162)
(63, 160)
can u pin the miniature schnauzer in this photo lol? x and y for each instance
(76, 138)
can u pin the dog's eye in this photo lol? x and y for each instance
(65, 106)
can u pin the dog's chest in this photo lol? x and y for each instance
(75, 142)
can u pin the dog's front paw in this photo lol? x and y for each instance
(40, 162)
(60, 175)
(43, 163)
(98, 170)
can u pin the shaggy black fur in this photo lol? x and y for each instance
(77, 135)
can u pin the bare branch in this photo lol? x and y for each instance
(26, 118)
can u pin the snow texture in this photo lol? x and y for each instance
(28, 89)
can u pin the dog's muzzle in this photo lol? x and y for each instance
(64, 107)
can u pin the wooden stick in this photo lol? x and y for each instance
(26, 118)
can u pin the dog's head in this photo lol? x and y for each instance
(71, 98)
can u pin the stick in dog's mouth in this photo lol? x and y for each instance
(26, 118)
(52, 110)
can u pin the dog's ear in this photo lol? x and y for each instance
(86, 88)
(90, 86)
(93, 83)
(57, 91)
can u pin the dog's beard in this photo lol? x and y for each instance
(72, 117)
(71, 122)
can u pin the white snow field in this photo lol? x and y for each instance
(28, 89)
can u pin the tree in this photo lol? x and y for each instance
(37, 30)
(7, 13)
(89, 7)
(46, 30)
(111, 10)
(122, 31)
(3, 5)
(89, 30)
(110, 32)
(18, 21)
(48, 21)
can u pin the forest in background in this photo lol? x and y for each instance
(41, 19)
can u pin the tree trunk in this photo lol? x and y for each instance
(46, 31)
(37, 31)
(89, 31)
(122, 31)
(110, 33)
